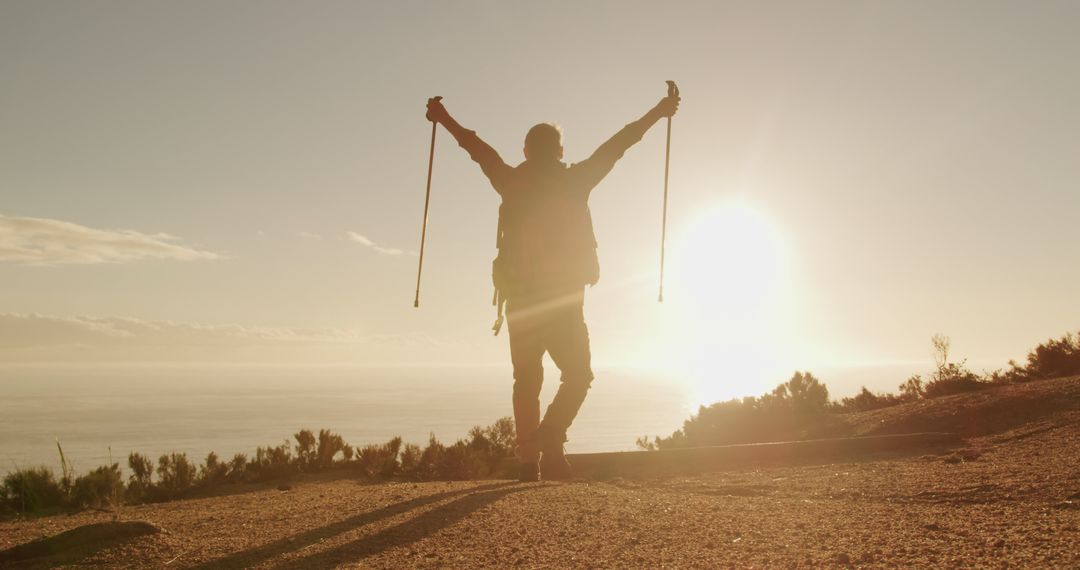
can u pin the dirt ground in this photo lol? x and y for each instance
(1010, 498)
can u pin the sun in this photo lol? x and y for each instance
(728, 303)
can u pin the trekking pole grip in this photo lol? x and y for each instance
(672, 89)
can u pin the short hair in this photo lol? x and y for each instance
(544, 141)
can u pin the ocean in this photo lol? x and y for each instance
(101, 413)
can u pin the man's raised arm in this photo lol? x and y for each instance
(489, 160)
(597, 166)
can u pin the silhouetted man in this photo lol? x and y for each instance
(547, 254)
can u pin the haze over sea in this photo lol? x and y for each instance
(234, 409)
(155, 409)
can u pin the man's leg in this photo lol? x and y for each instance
(567, 340)
(527, 354)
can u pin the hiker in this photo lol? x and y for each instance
(547, 254)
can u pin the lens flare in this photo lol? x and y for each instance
(728, 314)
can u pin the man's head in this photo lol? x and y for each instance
(544, 142)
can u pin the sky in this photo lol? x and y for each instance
(244, 181)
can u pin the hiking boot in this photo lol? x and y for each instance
(554, 466)
(529, 473)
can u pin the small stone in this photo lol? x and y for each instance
(843, 558)
(999, 543)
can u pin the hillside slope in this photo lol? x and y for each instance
(993, 410)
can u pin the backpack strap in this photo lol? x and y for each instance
(499, 301)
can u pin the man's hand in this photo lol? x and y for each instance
(668, 106)
(435, 110)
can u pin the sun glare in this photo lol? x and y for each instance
(728, 303)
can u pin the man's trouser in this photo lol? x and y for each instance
(556, 325)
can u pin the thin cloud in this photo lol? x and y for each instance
(44, 241)
(20, 331)
(49, 339)
(309, 235)
(364, 241)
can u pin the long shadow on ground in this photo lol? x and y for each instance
(406, 532)
(432, 521)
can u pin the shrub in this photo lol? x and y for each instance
(460, 462)
(953, 378)
(33, 490)
(213, 472)
(272, 462)
(866, 400)
(176, 475)
(140, 480)
(912, 389)
(803, 394)
(790, 411)
(950, 377)
(644, 444)
(237, 468)
(379, 460)
(99, 488)
(1051, 359)
(330, 444)
(492, 444)
(305, 449)
(410, 458)
(427, 465)
(480, 455)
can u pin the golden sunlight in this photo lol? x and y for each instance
(729, 307)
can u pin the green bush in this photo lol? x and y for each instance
(330, 444)
(460, 462)
(140, 481)
(800, 404)
(1055, 358)
(912, 389)
(866, 400)
(953, 378)
(429, 462)
(33, 490)
(213, 472)
(950, 377)
(379, 460)
(305, 449)
(176, 475)
(410, 458)
(39, 490)
(1052, 359)
(237, 468)
(272, 463)
(102, 487)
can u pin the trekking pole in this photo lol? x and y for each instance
(672, 91)
(427, 200)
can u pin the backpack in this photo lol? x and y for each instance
(546, 243)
